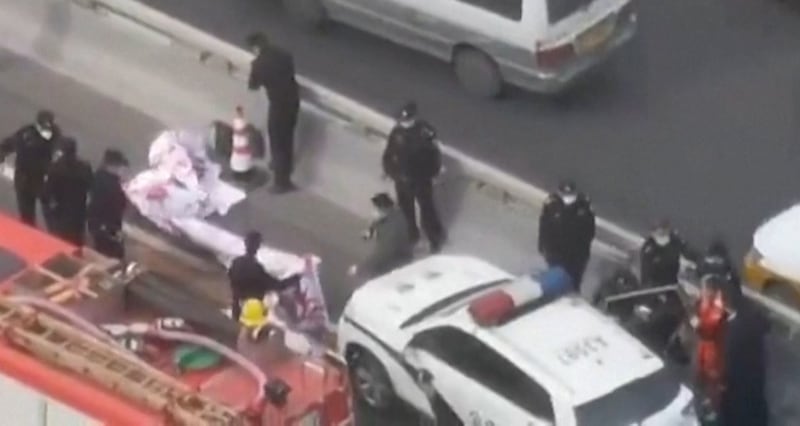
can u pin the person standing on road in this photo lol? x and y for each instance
(392, 246)
(710, 322)
(66, 192)
(717, 262)
(248, 278)
(744, 399)
(273, 69)
(660, 256)
(566, 231)
(33, 146)
(412, 159)
(107, 204)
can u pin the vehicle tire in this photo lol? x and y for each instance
(478, 73)
(784, 294)
(306, 13)
(370, 381)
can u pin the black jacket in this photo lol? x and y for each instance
(660, 265)
(744, 401)
(273, 69)
(107, 203)
(566, 230)
(34, 154)
(67, 188)
(411, 154)
(392, 245)
(249, 279)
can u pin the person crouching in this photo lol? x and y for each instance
(259, 340)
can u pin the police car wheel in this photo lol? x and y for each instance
(370, 381)
(307, 13)
(478, 73)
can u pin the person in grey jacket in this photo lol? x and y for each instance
(392, 247)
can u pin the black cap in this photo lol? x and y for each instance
(567, 187)
(68, 146)
(113, 157)
(252, 242)
(662, 225)
(45, 118)
(382, 200)
(258, 39)
(718, 248)
(409, 111)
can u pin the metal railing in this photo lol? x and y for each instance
(375, 125)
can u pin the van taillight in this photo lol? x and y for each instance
(554, 57)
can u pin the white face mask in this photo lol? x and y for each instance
(46, 134)
(569, 199)
(661, 239)
(377, 214)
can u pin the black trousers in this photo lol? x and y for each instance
(107, 245)
(574, 263)
(72, 230)
(28, 193)
(411, 194)
(281, 125)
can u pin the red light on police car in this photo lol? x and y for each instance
(492, 308)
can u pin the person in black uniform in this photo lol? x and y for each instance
(33, 146)
(744, 399)
(660, 256)
(566, 231)
(273, 69)
(717, 261)
(412, 159)
(66, 191)
(107, 203)
(249, 279)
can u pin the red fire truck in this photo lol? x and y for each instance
(81, 343)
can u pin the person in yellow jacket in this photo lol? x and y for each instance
(259, 340)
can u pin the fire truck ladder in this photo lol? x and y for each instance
(56, 343)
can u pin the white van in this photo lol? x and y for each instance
(539, 45)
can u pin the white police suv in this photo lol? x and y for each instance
(499, 352)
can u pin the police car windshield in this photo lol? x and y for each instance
(632, 403)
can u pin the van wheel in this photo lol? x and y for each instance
(478, 73)
(370, 381)
(306, 13)
(784, 294)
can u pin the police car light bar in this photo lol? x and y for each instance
(495, 307)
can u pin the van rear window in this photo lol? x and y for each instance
(511, 9)
(558, 10)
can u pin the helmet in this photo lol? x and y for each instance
(254, 313)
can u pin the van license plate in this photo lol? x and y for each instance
(596, 36)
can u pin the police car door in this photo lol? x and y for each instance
(479, 384)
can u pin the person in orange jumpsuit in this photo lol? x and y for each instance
(711, 319)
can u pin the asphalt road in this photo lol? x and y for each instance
(300, 222)
(697, 120)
